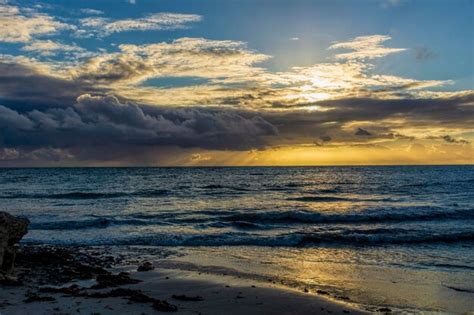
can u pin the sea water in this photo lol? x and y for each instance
(399, 236)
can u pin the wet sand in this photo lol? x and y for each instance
(189, 291)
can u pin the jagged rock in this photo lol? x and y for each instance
(184, 297)
(146, 266)
(12, 229)
(164, 306)
(111, 280)
(33, 297)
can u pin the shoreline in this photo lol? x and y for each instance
(75, 294)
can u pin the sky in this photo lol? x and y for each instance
(238, 82)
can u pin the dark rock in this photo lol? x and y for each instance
(342, 297)
(33, 297)
(187, 298)
(8, 280)
(110, 280)
(322, 292)
(139, 297)
(164, 306)
(71, 290)
(146, 266)
(384, 310)
(12, 229)
(58, 265)
(134, 296)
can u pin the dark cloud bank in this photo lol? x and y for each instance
(104, 120)
(43, 118)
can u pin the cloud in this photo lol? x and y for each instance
(40, 155)
(322, 140)
(197, 157)
(103, 120)
(294, 38)
(193, 57)
(20, 26)
(424, 54)
(24, 84)
(362, 132)
(49, 47)
(449, 139)
(325, 138)
(391, 3)
(116, 104)
(106, 128)
(10, 119)
(365, 47)
(100, 26)
(91, 11)
(388, 120)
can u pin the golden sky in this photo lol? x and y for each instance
(77, 90)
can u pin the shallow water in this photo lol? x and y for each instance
(383, 224)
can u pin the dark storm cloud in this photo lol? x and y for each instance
(362, 132)
(322, 140)
(325, 138)
(24, 86)
(52, 118)
(454, 112)
(103, 121)
(451, 112)
(449, 139)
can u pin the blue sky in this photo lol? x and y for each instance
(442, 28)
(208, 77)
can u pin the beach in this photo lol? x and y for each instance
(189, 292)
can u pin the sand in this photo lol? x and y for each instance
(221, 294)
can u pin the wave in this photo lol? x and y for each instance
(320, 199)
(460, 289)
(254, 220)
(216, 186)
(70, 225)
(335, 199)
(384, 237)
(376, 237)
(89, 195)
(448, 266)
(419, 214)
(96, 223)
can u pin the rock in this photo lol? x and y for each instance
(164, 306)
(12, 229)
(146, 266)
(71, 290)
(9, 280)
(342, 297)
(33, 297)
(183, 297)
(110, 280)
(133, 296)
(384, 310)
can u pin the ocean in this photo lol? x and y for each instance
(398, 236)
